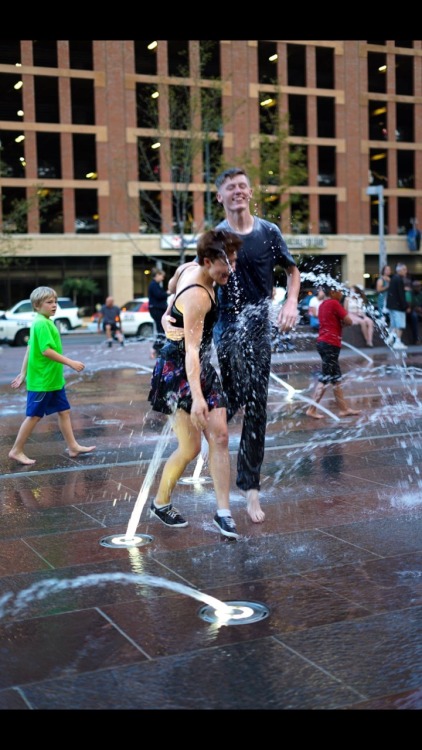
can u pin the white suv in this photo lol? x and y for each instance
(136, 319)
(66, 316)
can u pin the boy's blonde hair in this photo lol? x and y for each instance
(40, 294)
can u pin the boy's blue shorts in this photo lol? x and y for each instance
(40, 403)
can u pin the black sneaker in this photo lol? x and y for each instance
(169, 515)
(109, 344)
(226, 525)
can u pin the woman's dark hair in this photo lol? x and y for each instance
(217, 244)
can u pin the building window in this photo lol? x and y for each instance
(326, 166)
(378, 166)
(324, 60)
(408, 45)
(10, 97)
(374, 215)
(84, 157)
(269, 159)
(83, 106)
(45, 53)
(12, 154)
(296, 65)
(51, 211)
(406, 169)
(10, 51)
(182, 151)
(326, 124)
(327, 214)
(377, 112)
(86, 211)
(150, 212)
(182, 201)
(211, 111)
(81, 55)
(298, 114)
(179, 105)
(148, 160)
(268, 114)
(145, 56)
(209, 56)
(267, 62)
(377, 72)
(404, 75)
(48, 156)
(406, 213)
(299, 212)
(298, 165)
(405, 119)
(147, 96)
(46, 99)
(178, 58)
(14, 221)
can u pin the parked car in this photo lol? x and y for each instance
(14, 332)
(66, 316)
(136, 319)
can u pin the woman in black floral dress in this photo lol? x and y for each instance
(185, 384)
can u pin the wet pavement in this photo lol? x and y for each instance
(336, 567)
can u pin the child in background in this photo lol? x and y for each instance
(43, 369)
(332, 317)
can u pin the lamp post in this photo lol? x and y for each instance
(379, 191)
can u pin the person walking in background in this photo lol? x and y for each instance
(42, 368)
(412, 317)
(381, 287)
(242, 334)
(186, 385)
(332, 318)
(109, 320)
(157, 302)
(355, 304)
(397, 307)
(313, 307)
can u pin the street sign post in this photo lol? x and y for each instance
(379, 191)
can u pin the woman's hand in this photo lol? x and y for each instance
(199, 413)
(172, 332)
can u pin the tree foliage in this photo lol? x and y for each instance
(79, 287)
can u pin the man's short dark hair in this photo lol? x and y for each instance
(227, 174)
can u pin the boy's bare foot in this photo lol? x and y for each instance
(20, 456)
(349, 413)
(313, 413)
(81, 449)
(255, 512)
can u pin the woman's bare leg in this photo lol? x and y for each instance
(189, 439)
(219, 459)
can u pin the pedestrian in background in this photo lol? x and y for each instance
(157, 304)
(109, 320)
(397, 306)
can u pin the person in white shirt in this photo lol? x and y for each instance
(314, 304)
(355, 304)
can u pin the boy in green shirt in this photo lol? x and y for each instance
(43, 369)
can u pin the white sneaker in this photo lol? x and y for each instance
(390, 339)
(399, 345)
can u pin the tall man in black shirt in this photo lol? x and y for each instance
(243, 331)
